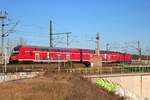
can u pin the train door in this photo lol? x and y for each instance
(37, 58)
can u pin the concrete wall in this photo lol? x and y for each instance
(139, 84)
(15, 76)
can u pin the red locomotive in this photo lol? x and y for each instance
(45, 54)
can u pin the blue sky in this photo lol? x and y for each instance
(120, 22)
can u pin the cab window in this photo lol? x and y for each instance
(73, 55)
(13, 54)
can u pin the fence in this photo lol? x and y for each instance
(108, 70)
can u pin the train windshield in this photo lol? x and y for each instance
(16, 50)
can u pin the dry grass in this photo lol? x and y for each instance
(53, 87)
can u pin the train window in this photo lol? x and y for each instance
(44, 58)
(87, 55)
(73, 55)
(23, 53)
(67, 50)
(52, 50)
(114, 56)
(15, 54)
(55, 50)
(16, 49)
(47, 50)
(62, 58)
(31, 53)
(82, 55)
(43, 49)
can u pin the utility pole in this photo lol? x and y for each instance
(2, 45)
(139, 50)
(98, 61)
(68, 39)
(97, 44)
(2, 17)
(67, 33)
(107, 50)
(51, 38)
(51, 35)
(107, 47)
(8, 41)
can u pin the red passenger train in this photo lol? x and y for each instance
(45, 54)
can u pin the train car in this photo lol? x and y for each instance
(45, 54)
(37, 54)
(115, 57)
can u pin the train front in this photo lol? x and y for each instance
(14, 55)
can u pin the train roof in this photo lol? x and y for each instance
(46, 47)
